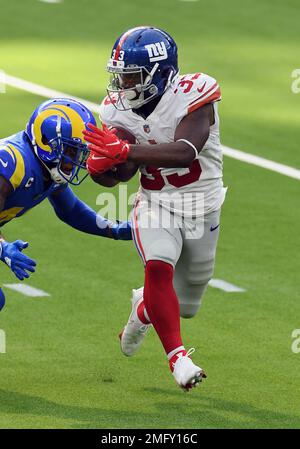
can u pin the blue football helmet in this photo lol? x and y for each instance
(143, 64)
(55, 132)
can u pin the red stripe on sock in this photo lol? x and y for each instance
(141, 314)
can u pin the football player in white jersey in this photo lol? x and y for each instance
(174, 120)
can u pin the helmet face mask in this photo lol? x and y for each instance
(55, 132)
(71, 156)
(142, 66)
(134, 85)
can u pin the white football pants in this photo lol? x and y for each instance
(188, 244)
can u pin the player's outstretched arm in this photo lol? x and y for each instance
(11, 252)
(74, 212)
(190, 137)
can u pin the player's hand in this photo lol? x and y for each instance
(97, 164)
(19, 263)
(104, 142)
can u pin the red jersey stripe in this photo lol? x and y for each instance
(123, 39)
(215, 86)
(214, 97)
(136, 233)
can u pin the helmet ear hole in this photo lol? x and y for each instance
(153, 90)
(44, 140)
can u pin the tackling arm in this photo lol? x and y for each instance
(74, 212)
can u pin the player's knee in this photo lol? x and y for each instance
(200, 273)
(190, 299)
(189, 310)
(2, 299)
(200, 282)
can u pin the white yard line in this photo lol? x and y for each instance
(42, 91)
(2, 82)
(50, 1)
(33, 292)
(225, 286)
(262, 162)
(26, 290)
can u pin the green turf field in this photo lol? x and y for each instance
(63, 367)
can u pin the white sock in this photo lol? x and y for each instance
(170, 355)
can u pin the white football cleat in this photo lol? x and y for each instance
(185, 372)
(134, 332)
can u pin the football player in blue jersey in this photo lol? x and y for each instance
(40, 162)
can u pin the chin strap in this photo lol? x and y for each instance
(171, 79)
(57, 177)
(151, 74)
(152, 88)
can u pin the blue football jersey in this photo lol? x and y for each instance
(22, 169)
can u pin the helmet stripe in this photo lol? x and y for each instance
(66, 113)
(77, 122)
(123, 39)
(37, 126)
(58, 108)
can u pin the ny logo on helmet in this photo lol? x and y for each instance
(157, 51)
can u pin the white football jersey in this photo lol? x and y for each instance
(186, 94)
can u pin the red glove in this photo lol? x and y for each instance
(104, 142)
(97, 164)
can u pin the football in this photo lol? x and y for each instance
(122, 172)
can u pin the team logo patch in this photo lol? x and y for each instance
(146, 129)
(157, 51)
(5, 164)
(213, 228)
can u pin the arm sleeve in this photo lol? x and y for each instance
(74, 212)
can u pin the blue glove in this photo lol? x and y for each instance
(10, 253)
(121, 230)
